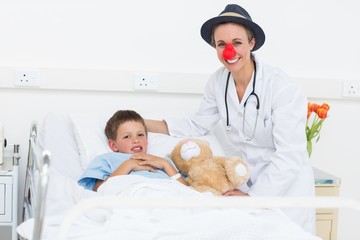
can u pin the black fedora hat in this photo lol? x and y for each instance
(233, 13)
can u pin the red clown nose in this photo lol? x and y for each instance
(229, 52)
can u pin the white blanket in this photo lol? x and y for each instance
(162, 223)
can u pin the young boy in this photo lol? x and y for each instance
(127, 137)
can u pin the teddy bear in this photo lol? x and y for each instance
(205, 172)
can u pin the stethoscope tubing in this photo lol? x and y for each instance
(228, 125)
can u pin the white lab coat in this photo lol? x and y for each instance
(277, 154)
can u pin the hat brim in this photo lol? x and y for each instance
(207, 28)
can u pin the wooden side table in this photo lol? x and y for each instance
(326, 184)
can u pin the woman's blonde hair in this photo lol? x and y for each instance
(249, 33)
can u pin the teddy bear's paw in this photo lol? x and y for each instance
(237, 172)
(241, 170)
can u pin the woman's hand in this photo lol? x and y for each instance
(235, 192)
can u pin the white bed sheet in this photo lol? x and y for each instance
(156, 223)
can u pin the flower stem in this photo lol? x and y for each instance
(309, 147)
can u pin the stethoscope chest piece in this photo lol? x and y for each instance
(228, 129)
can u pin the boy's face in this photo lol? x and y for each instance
(130, 138)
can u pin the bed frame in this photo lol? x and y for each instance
(36, 182)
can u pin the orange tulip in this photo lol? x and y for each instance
(308, 114)
(325, 106)
(313, 129)
(322, 113)
(313, 107)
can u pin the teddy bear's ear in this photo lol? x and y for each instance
(189, 150)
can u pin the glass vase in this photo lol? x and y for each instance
(309, 147)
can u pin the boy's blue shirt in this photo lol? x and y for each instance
(103, 165)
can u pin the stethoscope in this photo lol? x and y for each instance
(228, 125)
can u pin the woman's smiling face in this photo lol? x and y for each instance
(237, 35)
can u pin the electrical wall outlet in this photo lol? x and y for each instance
(146, 82)
(27, 78)
(351, 89)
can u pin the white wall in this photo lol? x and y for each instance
(80, 45)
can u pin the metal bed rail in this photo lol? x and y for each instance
(36, 182)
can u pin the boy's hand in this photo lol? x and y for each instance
(150, 160)
(159, 163)
(133, 165)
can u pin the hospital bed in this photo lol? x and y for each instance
(133, 207)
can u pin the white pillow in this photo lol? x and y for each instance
(56, 134)
(90, 136)
(92, 141)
